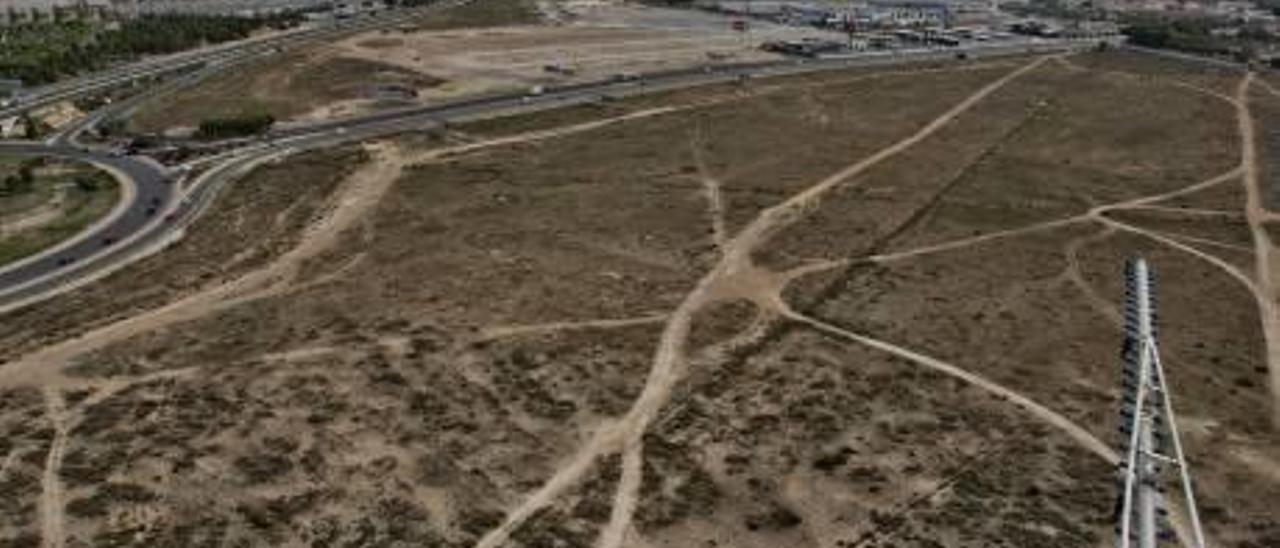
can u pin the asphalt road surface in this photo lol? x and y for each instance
(149, 191)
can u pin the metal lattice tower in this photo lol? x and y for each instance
(1147, 427)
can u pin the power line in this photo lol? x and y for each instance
(1147, 426)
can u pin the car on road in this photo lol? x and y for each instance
(108, 240)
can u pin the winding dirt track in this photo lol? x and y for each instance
(358, 196)
(667, 369)
(625, 436)
(1263, 249)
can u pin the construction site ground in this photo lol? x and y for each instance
(460, 52)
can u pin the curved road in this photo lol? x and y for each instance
(146, 189)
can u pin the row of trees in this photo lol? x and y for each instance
(223, 128)
(39, 53)
(1196, 35)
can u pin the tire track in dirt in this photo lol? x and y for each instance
(53, 495)
(507, 331)
(1075, 275)
(1042, 413)
(711, 189)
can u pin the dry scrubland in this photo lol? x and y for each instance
(422, 376)
(318, 81)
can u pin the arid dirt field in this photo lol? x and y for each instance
(872, 308)
(484, 47)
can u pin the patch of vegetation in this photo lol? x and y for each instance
(1197, 35)
(241, 126)
(85, 195)
(40, 52)
(281, 87)
(19, 181)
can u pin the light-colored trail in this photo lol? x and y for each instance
(1075, 275)
(359, 195)
(976, 240)
(1170, 242)
(1211, 182)
(53, 493)
(1196, 212)
(615, 533)
(711, 188)
(507, 331)
(1094, 214)
(669, 358)
(735, 262)
(53, 496)
(1214, 243)
(1044, 414)
(1263, 248)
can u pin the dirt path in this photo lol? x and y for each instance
(1074, 274)
(1214, 243)
(505, 331)
(1191, 211)
(360, 193)
(53, 497)
(1263, 249)
(1044, 414)
(620, 527)
(726, 277)
(711, 188)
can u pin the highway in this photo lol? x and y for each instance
(217, 55)
(135, 234)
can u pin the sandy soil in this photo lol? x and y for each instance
(560, 336)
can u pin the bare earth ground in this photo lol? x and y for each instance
(454, 53)
(865, 311)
